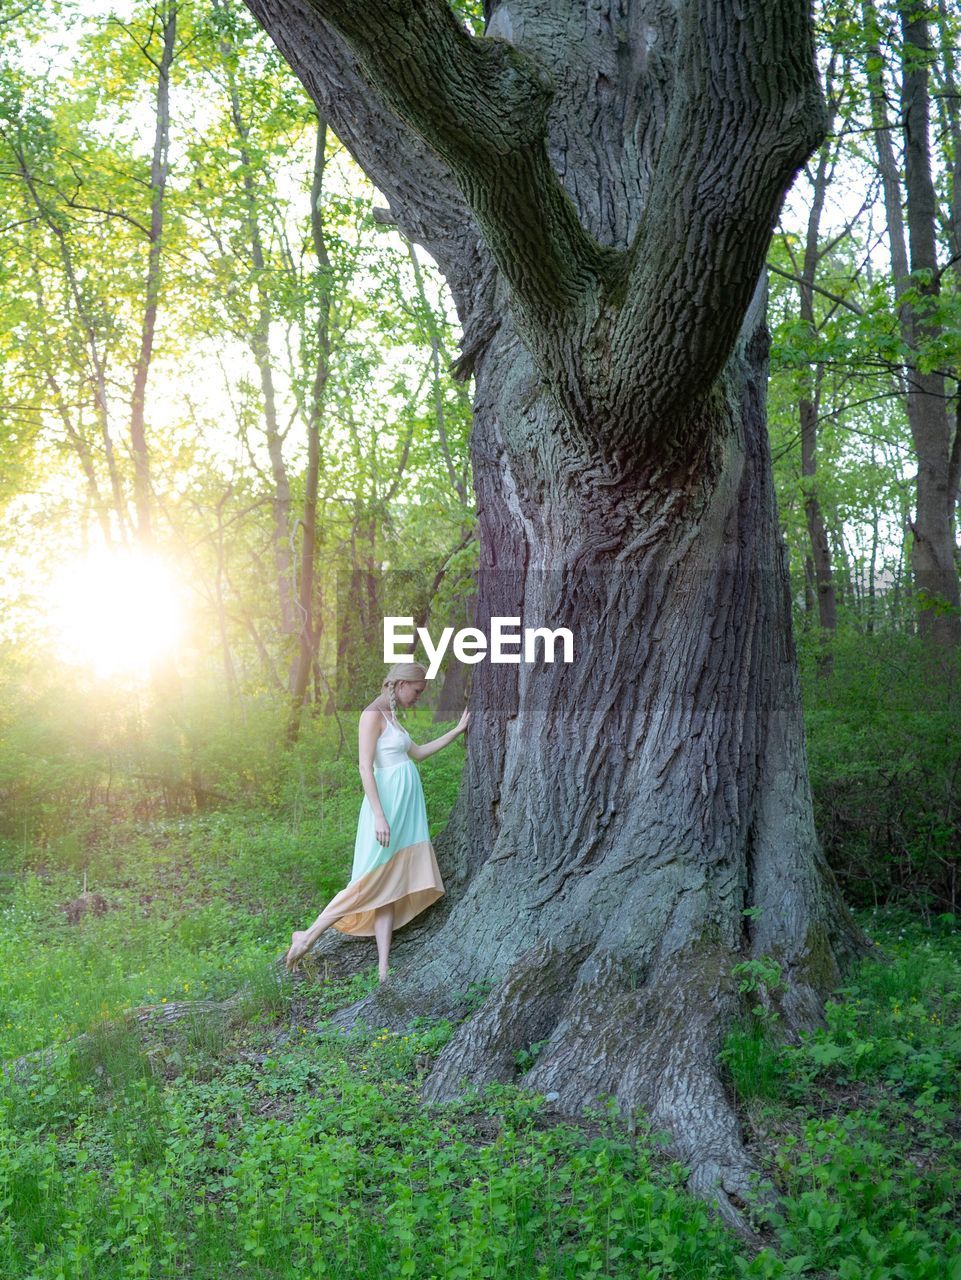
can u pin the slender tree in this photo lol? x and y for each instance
(809, 401)
(917, 287)
(166, 15)
(306, 621)
(95, 308)
(809, 405)
(258, 337)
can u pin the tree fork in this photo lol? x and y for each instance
(747, 110)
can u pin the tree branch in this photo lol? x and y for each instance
(624, 336)
(825, 293)
(423, 196)
(746, 114)
(482, 106)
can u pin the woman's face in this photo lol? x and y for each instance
(408, 691)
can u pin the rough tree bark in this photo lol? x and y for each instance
(599, 184)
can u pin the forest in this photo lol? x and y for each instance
(625, 317)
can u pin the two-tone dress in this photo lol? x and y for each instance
(405, 871)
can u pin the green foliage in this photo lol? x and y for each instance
(760, 976)
(237, 353)
(750, 1056)
(525, 1058)
(884, 745)
(328, 1132)
(475, 995)
(239, 878)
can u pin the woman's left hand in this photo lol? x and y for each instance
(463, 722)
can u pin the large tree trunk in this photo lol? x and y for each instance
(617, 815)
(620, 814)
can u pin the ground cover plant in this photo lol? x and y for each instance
(257, 1137)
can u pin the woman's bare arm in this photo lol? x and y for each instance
(428, 748)
(368, 731)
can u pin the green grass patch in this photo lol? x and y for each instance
(268, 1143)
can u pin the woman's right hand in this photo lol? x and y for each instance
(382, 831)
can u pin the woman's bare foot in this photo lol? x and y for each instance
(299, 946)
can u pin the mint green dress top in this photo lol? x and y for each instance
(404, 872)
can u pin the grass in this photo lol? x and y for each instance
(194, 907)
(269, 1143)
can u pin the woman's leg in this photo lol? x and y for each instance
(302, 940)
(383, 931)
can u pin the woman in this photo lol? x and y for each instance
(395, 874)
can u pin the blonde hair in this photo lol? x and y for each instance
(412, 671)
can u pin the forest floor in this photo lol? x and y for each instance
(265, 1143)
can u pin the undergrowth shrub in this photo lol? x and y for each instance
(884, 750)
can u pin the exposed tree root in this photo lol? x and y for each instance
(595, 1032)
(518, 1013)
(593, 1023)
(146, 1015)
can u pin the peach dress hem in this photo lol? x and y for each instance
(411, 880)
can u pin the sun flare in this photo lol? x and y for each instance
(116, 612)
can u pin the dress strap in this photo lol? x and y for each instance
(384, 714)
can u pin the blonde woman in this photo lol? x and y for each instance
(395, 874)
